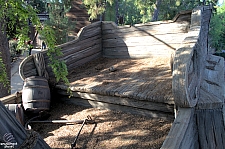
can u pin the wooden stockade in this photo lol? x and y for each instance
(142, 41)
(197, 82)
(156, 40)
(198, 87)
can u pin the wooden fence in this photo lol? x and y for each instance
(105, 39)
(198, 88)
(198, 76)
(141, 41)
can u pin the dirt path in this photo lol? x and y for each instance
(113, 129)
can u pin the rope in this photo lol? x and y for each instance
(30, 141)
(40, 65)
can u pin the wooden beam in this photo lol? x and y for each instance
(183, 133)
(13, 98)
(140, 104)
(104, 105)
(211, 128)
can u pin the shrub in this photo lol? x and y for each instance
(217, 29)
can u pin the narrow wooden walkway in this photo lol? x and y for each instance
(142, 79)
(141, 83)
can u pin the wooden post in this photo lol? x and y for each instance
(198, 85)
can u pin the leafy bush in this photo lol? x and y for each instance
(13, 47)
(217, 29)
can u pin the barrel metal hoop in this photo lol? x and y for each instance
(35, 86)
(32, 101)
(33, 109)
(36, 79)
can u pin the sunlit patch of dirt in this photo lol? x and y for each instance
(112, 129)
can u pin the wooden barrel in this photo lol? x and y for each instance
(17, 111)
(36, 94)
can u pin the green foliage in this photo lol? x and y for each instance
(139, 11)
(15, 14)
(3, 76)
(110, 12)
(59, 21)
(38, 5)
(96, 7)
(59, 67)
(13, 47)
(217, 29)
(130, 11)
(168, 9)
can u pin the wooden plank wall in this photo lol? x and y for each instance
(106, 39)
(183, 133)
(86, 47)
(142, 40)
(198, 85)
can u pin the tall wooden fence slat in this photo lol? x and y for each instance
(198, 85)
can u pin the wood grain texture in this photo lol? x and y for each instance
(141, 79)
(183, 133)
(189, 67)
(122, 101)
(199, 75)
(211, 128)
(105, 105)
(183, 65)
(13, 98)
(140, 41)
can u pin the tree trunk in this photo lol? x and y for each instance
(156, 11)
(5, 55)
(117, 12)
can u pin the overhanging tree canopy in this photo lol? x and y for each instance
(14, 16)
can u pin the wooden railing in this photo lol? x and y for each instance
(198, 78)
(198, 88)
(142, 40)
(105, 39)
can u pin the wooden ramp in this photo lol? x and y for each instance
(141, 56)
(145, 85)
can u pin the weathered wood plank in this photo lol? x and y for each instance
(211, 128)
(183, 133)
(90, 33)
(143, 41)
(83, 61)
(13, 98)
(82, 54)
(122, 101)
(182, 61)
(140, 34)
(157, 28)
(31, 72)
(208, 101)
(29, 65)
(81, 45)
(132, 110)
(212, 81)
(163, 36)
(137, 52)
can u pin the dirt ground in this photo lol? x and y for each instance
(111, 130)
